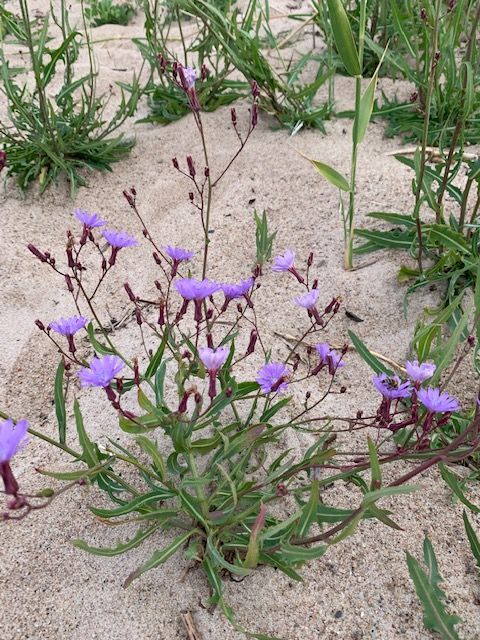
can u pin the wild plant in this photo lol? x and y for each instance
(201, 465)
(47, 136)
(100, 12)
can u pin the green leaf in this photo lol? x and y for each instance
(374, 465)
(269, 413)
(294, 554)
(447, 237)
(59, 399)
(387, 239)
(372, 496)
(139, 537)
(157, 358)
(472, 538)
(220, 560)
(374, 363)
(159, 557)
(309, 511)
(140, 504)
(89, 454)
(453, 482)
(343, 37)
(149, 447)
(394, 218)
(431, 563)
(332, 175)
(362, 118)
(98, 346)
(435, 617)
(448, 348)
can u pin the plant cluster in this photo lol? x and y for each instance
(209, 477)
(100, 12)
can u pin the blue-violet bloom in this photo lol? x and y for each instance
(12, 438)
(101, 372)
(436, 401)
(196, 290)
(391, 387)
(69, 326)
(330, 357)
(272, 377)
(90, 220)
(419, 372)
(213, 360)
(285, 262)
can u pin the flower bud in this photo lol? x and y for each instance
(38, 254)
(129, 291)
(175, 163)
(68, 282)
(40, 325)
(191, 167)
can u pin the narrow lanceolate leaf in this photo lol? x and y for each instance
(435, 617)
(364, 114)
(159, 557)
(332, 175)
(472, 538)
(374, 465)
(343, 37)
(59, 399)
(433, 572)
(448, 238)
(363, 351)
(294, 554)
(140, 536)
(453, 482)
(309, 512)
(89, 454)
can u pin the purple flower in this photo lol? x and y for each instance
(189, 75)
(392, 387)
(308, 300)
(101, 372)
(419, 372)
(12, 438)
(329, 356)
(192, 289)
(233, 291)
(119, 239)
(69, 326)
(436, 401)
(177, 254)
(285, 262)
(271, 377)
(213, 358)
(90, 220)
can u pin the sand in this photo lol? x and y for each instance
(361, 588)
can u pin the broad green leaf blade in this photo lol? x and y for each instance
(447, 237)
(400, 219)
(343, 37)
(332, 175)
(59, 400)
(431, 563)
(159, 557)
(122, 547)
(472, 538)
(363, 351)
(98, 346)
(435, 617)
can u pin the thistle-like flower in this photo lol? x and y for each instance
(196, 290)
(12, 439)
(273, 377)
(101, 371)
(178, 255)
(391, 387)
(329, 357)
(419, 372)
(213, 360)
(68, 327)
(287, 263)
(90, 220)
(437, 401)
(118, 240)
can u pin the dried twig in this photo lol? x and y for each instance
(189, 624)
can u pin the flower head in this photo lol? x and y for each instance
(328, 355)
(177, 254)
(101, 372)
(308, 300)
(436, 401)
(12, 438)
(69, 326)
(392, 387)
(192, 289)
(190, 75)
(271, 377)
(285, 262)
(239, 290)
(419, 372)
(213, 358)
(90, 220)
(119, 239)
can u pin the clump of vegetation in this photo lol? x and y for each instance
(99, 12)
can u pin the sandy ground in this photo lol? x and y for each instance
(361, 589)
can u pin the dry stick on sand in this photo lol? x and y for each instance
(337, 345)
(189, 624)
